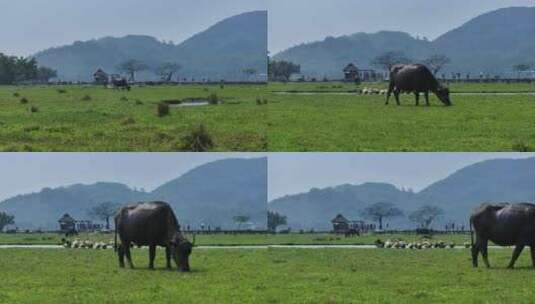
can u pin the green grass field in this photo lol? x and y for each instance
(200, 239)
(92, 118)
(242, 239)
(362, 123)
(399, 276)
(365, 239)
(265, 276)
(457, 87)
(89, 276)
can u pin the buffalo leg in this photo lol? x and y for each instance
(417, 96)
(152, 255)
(396, 94)
(128, 255)
(121, 255)
(516, 254)
(532, 248)
(426, 94)
(475, 253)
(168, 257)
(389, 94)
(485, 252)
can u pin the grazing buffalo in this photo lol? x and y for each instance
(121, 83)
(415, 78)
(151, 224)
(505, 225)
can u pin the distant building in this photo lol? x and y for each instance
(343, 225)
(351, 73)
(68, 224)
(101, 77)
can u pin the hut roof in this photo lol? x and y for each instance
(340, 219)
(350, 68)
(66, 218)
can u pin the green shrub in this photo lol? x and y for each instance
(33, 109)
(62, 91)
(24, 100)
(197, 140)
(213, 99)
(163, 109)
(128, 121)
(86, 98)
(522, 147)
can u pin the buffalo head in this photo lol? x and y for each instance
(181, 250)
(444, 95)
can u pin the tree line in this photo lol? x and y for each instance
(167, 71)
(380, 212)
(283, 70)
(15, 70)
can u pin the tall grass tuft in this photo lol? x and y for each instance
(197, 140)
(163, 109)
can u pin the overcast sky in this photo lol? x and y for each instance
(32, 25)
(296, 21)
(22, 173)
(290, 173)
(29, 26)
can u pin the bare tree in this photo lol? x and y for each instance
(436, 62)
(378, 212)
(131, 67)
(519, 68)
(275, 220)
(240, 220)
(167, 70)
(426, 215)
(104, 212)
(387, 60)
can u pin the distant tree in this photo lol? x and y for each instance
(387, 60)
(131, 67)
(519, 68)
(167, 70)
(44, 74)
(275, 220)
(378, 212)
(17, 69)
(436, 62)
(25, 69)
(426, 215)
(240, 220)
(6, 219)
(249, 72)
(104, 212)
(282, 70)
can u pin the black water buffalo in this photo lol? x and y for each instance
(505, 225)
(121, 83)
(415, 78)
(151, 224)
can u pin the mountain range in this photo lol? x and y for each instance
(211, 194)
(491, 43)
(501, 180)
(223, 51)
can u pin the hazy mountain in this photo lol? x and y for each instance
(457, 195)
(211, 194)
(318, 207)
(490, 43)
(221, 52)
